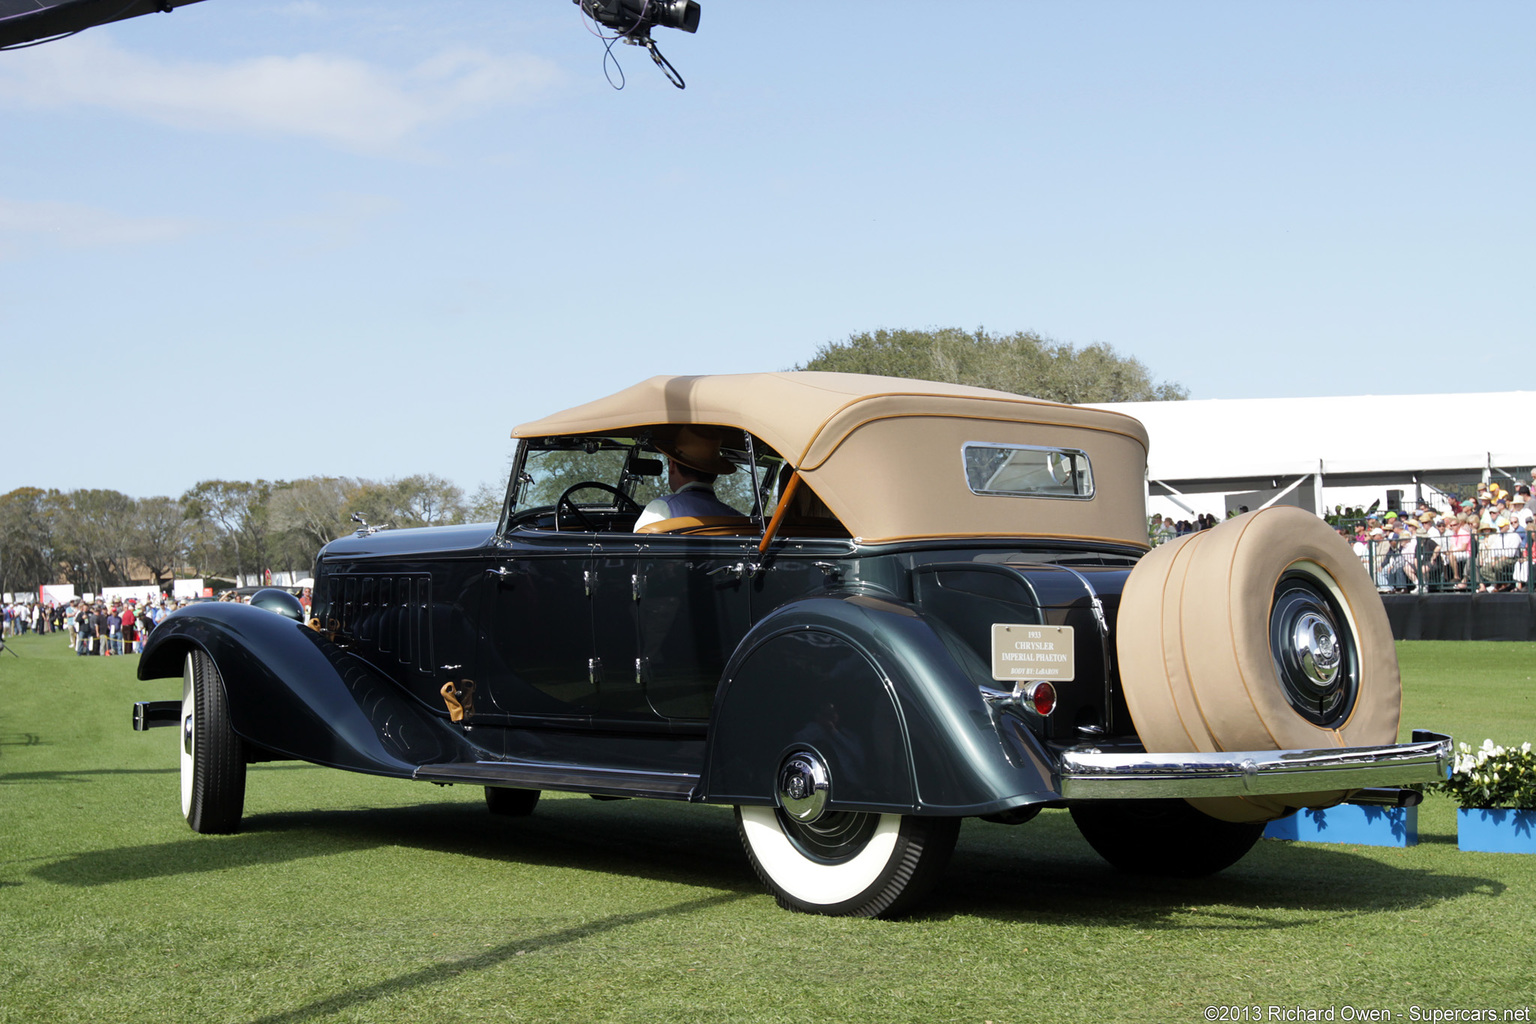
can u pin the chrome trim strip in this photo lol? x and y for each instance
(1089, 774)
(565, 777)
(1106, 647)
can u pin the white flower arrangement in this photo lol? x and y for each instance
(1492, 777)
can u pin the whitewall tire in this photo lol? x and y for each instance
(212, 756)
(846, 863)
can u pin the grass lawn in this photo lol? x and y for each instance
(350, 898)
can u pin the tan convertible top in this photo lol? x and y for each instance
(885, 453)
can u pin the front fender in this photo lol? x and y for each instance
(870, 685)
(294, 693)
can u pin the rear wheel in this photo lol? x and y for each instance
(511, 803)
(1163, 837)
(212, 756)
(846, 863)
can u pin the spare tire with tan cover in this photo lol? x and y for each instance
(1263, 633)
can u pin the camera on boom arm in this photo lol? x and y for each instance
(633, 19)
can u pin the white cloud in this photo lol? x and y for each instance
(27, 226)
(337, 99)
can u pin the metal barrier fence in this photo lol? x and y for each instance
(1494, 562)
(1458, 563)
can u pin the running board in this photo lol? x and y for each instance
(564, 778)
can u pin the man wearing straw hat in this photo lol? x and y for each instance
(693, 463)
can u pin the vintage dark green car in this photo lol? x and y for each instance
(904, 604)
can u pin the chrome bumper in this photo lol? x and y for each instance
(1094, 775)
(152, 714)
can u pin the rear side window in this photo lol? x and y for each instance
(1027, 471)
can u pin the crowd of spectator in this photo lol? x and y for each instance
(1481, 545)
(92, 628)
(105, 627)
(1162, 530)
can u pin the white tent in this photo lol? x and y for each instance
(1318, 452)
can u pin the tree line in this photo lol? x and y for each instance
(219, 529)
(226, 528)
(1023, 363)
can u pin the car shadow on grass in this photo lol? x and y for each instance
(1040, 872)
(89, 774)
(663, 842)
(1046, 873)
(657, 840)
(76, 775)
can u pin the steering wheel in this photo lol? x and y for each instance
(624, 502)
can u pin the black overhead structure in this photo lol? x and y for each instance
(23, 22)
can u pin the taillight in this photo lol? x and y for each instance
(1041, 697)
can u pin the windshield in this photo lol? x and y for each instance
(635, 468)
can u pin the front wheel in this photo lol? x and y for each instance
(212, 756)
(846, 864)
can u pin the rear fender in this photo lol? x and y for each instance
(294, 693)
(869, 685)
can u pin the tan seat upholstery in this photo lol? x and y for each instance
(704, 526)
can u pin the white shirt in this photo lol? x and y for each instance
(661, 508)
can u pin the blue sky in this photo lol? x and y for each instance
(251, 239)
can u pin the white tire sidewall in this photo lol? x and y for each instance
(188, 722)
(811, 882)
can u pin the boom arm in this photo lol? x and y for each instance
(30, 22)
(23, 22)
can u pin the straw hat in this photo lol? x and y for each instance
(697, 448)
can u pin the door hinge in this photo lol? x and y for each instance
(831, 571)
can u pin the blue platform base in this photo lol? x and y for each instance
(1499, 830)
(1350, 823)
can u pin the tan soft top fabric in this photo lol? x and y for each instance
(884, 453)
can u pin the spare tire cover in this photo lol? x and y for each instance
(1263, 633)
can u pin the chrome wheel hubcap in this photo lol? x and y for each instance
(803, 786)
(1315, 654)
(1317, 648)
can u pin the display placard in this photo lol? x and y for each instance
(1022, 651)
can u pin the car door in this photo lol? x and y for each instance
(536, 627)
(693, 603)
(613, 602)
